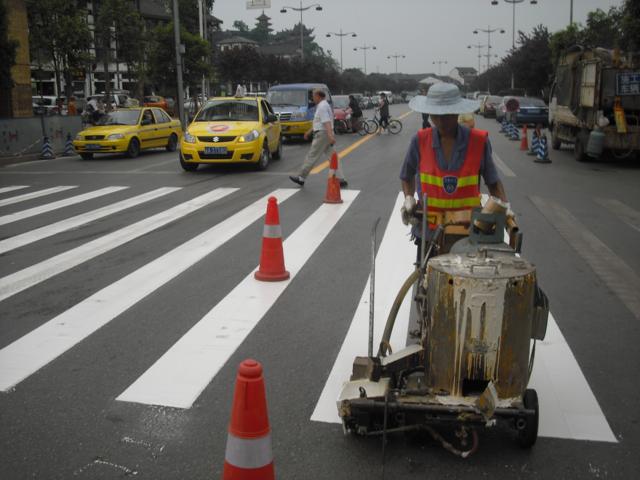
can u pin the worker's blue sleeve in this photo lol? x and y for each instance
(487, 166)
(411, 161)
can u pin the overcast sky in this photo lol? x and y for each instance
(423, 30)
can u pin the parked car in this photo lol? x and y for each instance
(489, 105)
(232, 130)
(359, 98)
(531, 110)
(341, 113)
(155, 101)
(45, 105)
(367, 102)
(129, 130)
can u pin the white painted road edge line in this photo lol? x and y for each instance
(30, 196)
(504, 168)
(36, 349)
(48, 207)
(12, 188)
(178, 378)
(30, 276)
(31, 236)
(394, 264)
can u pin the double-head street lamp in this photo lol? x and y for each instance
(513, 28)
(396, 56)
(301, 9)
(341, 34)
(440, 63)
(488, 31)
(479, 47)
(364, 48)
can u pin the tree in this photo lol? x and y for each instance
(531, 61)
(131, 42)
(240, 26)
(7, 60)
(58, 31)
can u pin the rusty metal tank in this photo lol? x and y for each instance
(481, 314)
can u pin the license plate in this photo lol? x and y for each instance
(92, 146)
(215, 150)
(532, 110)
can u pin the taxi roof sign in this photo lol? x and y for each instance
(240, 91)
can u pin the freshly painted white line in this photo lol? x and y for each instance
(30, 276)
(504, 168)
(31, 236)
(394, 263)
(568, 407)
(12, 188)
(48, 207)
(36, 349)
(29, 196)
(183, 372)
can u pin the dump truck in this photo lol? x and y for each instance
(594, 103)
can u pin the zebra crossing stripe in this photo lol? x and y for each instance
(394, 264)
(31, 212)
(12, 188)
(31, 236)
(36, 349)
(30, 276)
(29, 196)
(183, 372)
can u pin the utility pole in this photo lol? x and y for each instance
(176, 37)
(489, 31)
(571, 12)
(396, 56)
(364, 49)
(201, 23)
(440, 63)
(341, 35)
(478, 46)
(301, 9)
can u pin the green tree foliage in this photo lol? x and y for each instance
(531, 61)
(58, 32)
(7, 58)
(240, 26)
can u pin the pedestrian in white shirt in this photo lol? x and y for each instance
(323, 139)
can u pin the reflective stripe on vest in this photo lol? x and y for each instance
(451, 190)
(248, 452)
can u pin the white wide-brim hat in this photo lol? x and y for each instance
(443, 99)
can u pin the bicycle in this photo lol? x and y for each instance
(393, 125)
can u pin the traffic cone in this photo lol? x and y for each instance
(248, 455)
(47, 150)
(333, 183)
(272, 257)
(68, 147)
(535, 142)
(503, 125)
(524, 144)
(515, 134)
(543, 151)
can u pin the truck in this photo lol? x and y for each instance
(594, 103)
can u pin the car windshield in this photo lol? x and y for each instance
(120, 117)
(531, 102)
(282, 98)
(229, 110)
(340, 102)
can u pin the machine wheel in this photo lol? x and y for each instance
(263, 162)
(172, 144)
(187, 167)
(86, 156)
(529, 434)
(277, 155)
(578, 150)
(556, 143)
(133, 150)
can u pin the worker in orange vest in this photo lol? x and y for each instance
(446, 161)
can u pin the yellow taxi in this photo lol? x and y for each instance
(236, 129)
(129, 130)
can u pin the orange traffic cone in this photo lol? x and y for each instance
(248, 455)
(333, 183)
(524, 144)
(272, 257)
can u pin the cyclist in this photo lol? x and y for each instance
(383, 108)
(356, 113)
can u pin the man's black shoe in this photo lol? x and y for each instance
(344, 183)
(299, 180)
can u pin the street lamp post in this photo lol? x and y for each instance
(364, 48)
(301, 9)
(396, 56)
(479, 47)
(176, 38)
(488, 31)
(513, 28)
(341, 35)
(440, 63)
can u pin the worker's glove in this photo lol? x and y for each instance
(406, 211)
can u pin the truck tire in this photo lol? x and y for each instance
(556, 143)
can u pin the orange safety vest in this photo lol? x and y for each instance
(451, 190)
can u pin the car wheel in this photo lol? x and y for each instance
(277, 155)
(172, 145)
(133, 150)
(187, 167)
(86, 156)
(263, 161)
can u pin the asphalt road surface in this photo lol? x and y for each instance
(127, 303)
